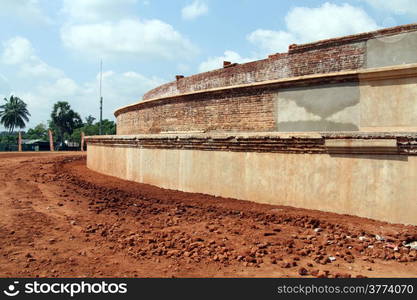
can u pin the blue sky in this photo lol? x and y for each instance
(50, 49)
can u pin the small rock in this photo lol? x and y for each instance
(349, 259)
(302, 271)
(259, 261)
(379, 238)
(412, 245)
(342, 275)
(322, 274)
(263, 245)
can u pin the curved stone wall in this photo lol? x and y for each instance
(381, 99)
(370, 175)
(233, 132)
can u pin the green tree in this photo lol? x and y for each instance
(109, 128)
(8, 141)
(90, 120)
(64, 120)
(14, 114)
(40, 132)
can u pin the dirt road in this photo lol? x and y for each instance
(59, 219)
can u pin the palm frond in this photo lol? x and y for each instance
(14, 113)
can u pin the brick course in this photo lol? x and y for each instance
(331, 55)
(257, 142)
(221, 112)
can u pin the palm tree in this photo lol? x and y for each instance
(14, 113)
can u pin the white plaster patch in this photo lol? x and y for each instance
(289, 111)
(350, 114)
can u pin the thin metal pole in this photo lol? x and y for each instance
(101, 98)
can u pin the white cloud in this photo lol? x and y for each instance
(328, 21)
(217, 62)
(20, 52)
(36, 68)
(112, 30)
(129, 37)
(120, 89)
(195, 9)
(27, 10)
(17, 50)
(311, 24)
(271, 41)
(60, 88)
(397, 7)
(97, 10)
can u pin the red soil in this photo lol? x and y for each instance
(59, 219)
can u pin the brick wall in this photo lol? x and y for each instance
(228, 111)
(250, 108)
(332, 55)
(284, 65)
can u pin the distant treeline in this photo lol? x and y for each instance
(66, 125)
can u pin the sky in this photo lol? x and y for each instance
(50, 50)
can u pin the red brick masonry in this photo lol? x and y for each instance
(331, 55)
(406, 143)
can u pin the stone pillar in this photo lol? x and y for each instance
(51, 140)
(82, 141)
(20, 142)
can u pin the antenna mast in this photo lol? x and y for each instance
(101, 98)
